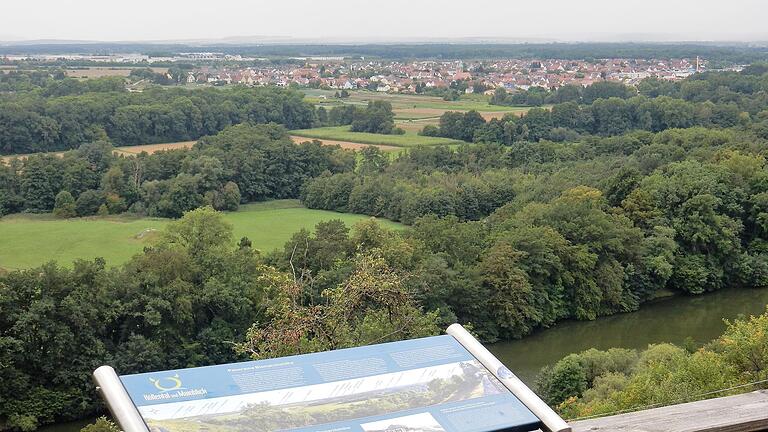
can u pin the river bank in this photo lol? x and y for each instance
(676, 319)
(672, 319)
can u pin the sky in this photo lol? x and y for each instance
(385, 20)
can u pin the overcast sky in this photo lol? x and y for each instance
(361, 20)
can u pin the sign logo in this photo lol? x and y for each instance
(170, 387)
(167, 384)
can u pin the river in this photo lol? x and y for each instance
(669, 320)
(672, 320)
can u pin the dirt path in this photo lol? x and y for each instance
(152, 148)
(487, 115)
(344, 144)
(125, 150)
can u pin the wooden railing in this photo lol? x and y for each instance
(741, 413)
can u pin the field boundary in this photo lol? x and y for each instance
(339, 134)
(344, 144)
(129, 150)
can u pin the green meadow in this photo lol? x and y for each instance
(477, 102)
(30, 240)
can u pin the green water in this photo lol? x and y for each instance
(670, 320)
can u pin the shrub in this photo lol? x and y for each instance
(566, 379)
(88, 202)
(101, 425)
(430, 130)
(103, 210)
(65, 205)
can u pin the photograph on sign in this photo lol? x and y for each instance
(431, 384)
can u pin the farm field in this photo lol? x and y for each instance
(409, 101)
(31, 240)
(153, 148)
(412, 113)
(99, 72)
(345, 144)
(342, 133)
(6, 159)
(416, 125)
(126, 150)
(409, 106)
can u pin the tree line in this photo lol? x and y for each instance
(538, 96)
(604, 117)
(712, 100)
(745, 88)
(243, 163)
(62, 114)
(42, 111)
(717, 54)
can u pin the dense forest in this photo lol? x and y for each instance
(39, 113)
(43, 112)
(588, 209)
(537, 231)
(243, 163)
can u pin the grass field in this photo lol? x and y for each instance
(410, 106)
(412, 113)
(342, 133)
(31, 240)
(418, 102)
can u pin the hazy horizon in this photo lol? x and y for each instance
(347, 21)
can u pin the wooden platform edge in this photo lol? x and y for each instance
(746, 412)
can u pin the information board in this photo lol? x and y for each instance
(423, 385)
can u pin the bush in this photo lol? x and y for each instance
(64, 206)
(115, 204)
(430, 130)
(574, 374)
(745, 345)
(566, 379)
(376, 118)
(101, 425)
(103, 210)
(88, 202)
(232, 196)
(560, 134)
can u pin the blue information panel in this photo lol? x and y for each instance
(430, 385)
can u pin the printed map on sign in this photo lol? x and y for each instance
(430, 384)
